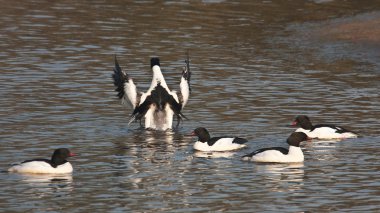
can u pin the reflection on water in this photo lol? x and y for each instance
(200, 154)
(37, 187)
(291, 175)
(45, 178)
(256, 65)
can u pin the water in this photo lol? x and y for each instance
(256, 65)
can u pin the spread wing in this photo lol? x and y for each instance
(185, 83)
(125, 87)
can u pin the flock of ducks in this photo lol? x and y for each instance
(160, 105)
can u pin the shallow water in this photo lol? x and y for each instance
(256, 65)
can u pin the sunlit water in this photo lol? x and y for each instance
(255, 67)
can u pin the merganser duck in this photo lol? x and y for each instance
(159, 104)
(279, 154)
(57, 165)
(205, 143)
(321, 131)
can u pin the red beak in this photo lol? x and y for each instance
(294, 123)
(193, 133)
(71, 154)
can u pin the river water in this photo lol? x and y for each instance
(256, 65)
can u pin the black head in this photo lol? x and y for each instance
(60, 155)
(202, 133)
(302, 121)
(296, 138)
(154, 61)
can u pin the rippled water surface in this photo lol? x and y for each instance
(256, 65)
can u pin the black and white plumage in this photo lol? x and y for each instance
(56, 165)
(205, 143)
(321, 131)
(159, 104)
(279, 154)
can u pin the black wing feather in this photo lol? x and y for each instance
(237, 140)
(119, 78)
(186, 73)
(280, 149)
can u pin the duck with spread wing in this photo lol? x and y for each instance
(159, 105)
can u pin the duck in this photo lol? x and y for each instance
(56, 165)
(205, 143)
(279, 154)
(158, 105)
(321, 131)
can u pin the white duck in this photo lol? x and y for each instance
(56, 165)
(279, 154)
(321, 131)
(226, 143)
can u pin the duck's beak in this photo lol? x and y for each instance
(294, 123)
(72, 154)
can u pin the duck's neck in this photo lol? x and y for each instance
(56, 161)
(204, 137)
(306, 124)
(158, 78)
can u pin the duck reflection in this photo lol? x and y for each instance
(143, 154)
(284, 177)
(45, 184)
(46, 178)
(160, 138)
(200, 154)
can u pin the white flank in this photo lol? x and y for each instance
(224, 144)
(159, 120)
(168, 118)
(149, 118)
(274, 156)
(326, 133)
(41, 167)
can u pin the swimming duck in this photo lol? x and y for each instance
(206, 143)
(56, 165)
(321, 131)
(279, 154)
